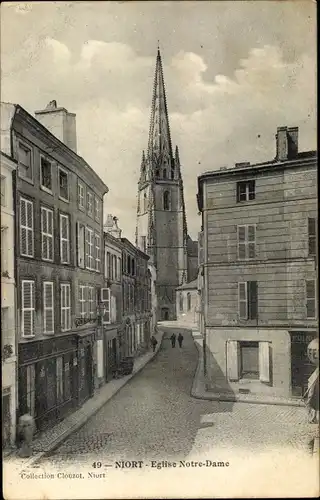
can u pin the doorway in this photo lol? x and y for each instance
(301, 366)
(165, 314)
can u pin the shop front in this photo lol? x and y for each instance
(86, 375)
(48, 379)
(110, 352)
(301, 366)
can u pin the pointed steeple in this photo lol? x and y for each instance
(159, 145)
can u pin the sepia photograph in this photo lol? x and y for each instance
(159, 262)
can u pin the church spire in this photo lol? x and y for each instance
(159, 145)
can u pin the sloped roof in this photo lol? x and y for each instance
(189, 286)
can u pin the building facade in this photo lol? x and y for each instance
(8, 291)
(260, 272)
(137, 303)
(161, 230)
(59, 238)
(187, 303)
(113, 328)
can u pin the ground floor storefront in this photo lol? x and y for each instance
(56, 376)
(8, 402)
(258, 361)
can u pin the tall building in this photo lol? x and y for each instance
(161, 230)
(59, 262)
(8, 290)
(259, 272)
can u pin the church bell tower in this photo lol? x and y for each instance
(161, 229)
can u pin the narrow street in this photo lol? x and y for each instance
(154, 417)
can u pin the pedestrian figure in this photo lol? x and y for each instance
(180, 339)
(173, 340)
(154, 342)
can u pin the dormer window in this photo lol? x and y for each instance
(166, 200)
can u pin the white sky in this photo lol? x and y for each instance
(234, 71)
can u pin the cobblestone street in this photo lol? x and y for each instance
(154, 417)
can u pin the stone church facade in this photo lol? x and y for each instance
(161, 229)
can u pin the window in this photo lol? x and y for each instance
(172, 174)
(45, 174)
(3, 191)
(133, 267)
(65, 300)
(26, 228)
(249, 360)
(312, 237)
(31, 389)
(246, 191)
(157, 173)
(188, 301)
(27, 308)
(248, 300)
(82, 301)
(90, 204)
(89, 249)
(97, 209)
(145, 202)
(98, 257)
(81, 196)
(144, 243)
(48, 307)
(246, 242)
(25, 163)
(164, 173)
(91, 301)
(59, 376)
(81, 244)
(181, 301)
(64, 239)
(166, 200)
(311, 299)
(129, 264)
(105, 300)
(46, 233)
(118, 269)
(63, 184)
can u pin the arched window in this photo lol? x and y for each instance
(181, 302)
(172, 174)
(145, 202)
(188, 301)
(166, 200)
(164, 173)
(157, 173)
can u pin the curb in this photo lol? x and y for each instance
(232, 399)
(35, 459)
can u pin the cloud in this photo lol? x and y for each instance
(216, 119)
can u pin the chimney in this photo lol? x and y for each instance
(293, 136)
(111, 226)
(282, 143)
(60, 123)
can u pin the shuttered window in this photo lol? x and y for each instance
(65, 301)
(64, 239)
(81, 244)
(91, 304)
(249, 356)
(90, 204)
(246, 242)
(97, 252)
(81, 196)
(46, 233)
(233, 360)
(248, 300)
(82, 301)
(105, 301)
(48, 307)
(311, 299)
(26, 228)
(97, 209)
(264, 362)
(27, 308)
(89, 249)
